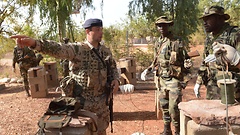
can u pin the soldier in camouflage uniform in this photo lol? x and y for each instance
(86, 67)
(220, 32)
(170, 58)
(26, 59)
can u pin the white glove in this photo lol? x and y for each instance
(196, 90)
(188, 63)
(229, 53)
(144, 74)
(210, 58)
(127, 88)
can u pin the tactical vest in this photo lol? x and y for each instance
(170, 58)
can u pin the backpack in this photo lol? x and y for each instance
(58, 115)
(66, 111)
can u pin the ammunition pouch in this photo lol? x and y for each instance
(164, 63)
(204, 74)
(70, 87)
(67, 86)
(173, 57)
(175, 72)
(170, 72)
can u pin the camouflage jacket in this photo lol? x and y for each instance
(84, 65)
(228, 35)
(170, 54)
(25, 57)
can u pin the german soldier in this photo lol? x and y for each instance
(87, 68)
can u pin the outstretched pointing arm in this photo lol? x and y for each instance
(22, 40)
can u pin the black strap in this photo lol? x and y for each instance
(95, 51)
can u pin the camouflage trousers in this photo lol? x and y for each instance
(170, 96)
(98, 106)
(24, 74)
(65, 66)
(213, 91)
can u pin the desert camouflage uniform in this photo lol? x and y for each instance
(65, 67)
(171, 71)
(211, 72)
(65, 62)
(19, 56)
(88, 71)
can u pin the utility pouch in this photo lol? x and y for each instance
(54, 121)
(67, 86)
(70, 87)
(173, 57)
(175, 71)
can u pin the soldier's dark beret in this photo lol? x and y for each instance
(92, 22)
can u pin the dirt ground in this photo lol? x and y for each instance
(132, 112)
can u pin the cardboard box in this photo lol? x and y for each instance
(39, 89)
(38, 82)
(36, 72)
(52, 74)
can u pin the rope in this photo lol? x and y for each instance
(225, 89)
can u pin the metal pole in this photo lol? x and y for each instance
(127, 43)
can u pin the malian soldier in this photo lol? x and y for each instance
(88, 68)
(221, 36)
(170, 58)
(26, 59)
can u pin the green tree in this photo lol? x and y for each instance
(149, 8)
(12, 17)
(12, 21)
(183, 12)
(140, 27)
(114, 38)
(56, 14)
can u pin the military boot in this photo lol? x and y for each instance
(177, 130)
(27, 91)
(167, 130)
